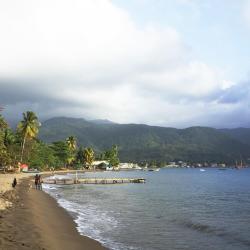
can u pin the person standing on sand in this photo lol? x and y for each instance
(36, 180)
(14, 183)
(40, 181)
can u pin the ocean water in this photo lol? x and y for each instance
(174, 209)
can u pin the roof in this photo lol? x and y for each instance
(24, 166)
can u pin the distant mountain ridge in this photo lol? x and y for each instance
(138, 142)
(102, 121)
(241, 134)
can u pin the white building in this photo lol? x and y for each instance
(129, 166)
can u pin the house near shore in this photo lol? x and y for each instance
(172, 164)
(24, 167)
(96, 163)
(129, 166)
(103, 165)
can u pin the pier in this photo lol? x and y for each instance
(70, 181)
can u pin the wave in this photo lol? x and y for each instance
(91, 221)
(57, 176)
(219, 232)
(198, 227)
(48, 187)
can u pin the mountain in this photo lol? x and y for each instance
(241, 134)
(138, 142)
(102, 121)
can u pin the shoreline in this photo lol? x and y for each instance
(36, 221)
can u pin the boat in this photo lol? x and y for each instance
(238, 166)
(202, 170)
(153, 169)
(157, 169)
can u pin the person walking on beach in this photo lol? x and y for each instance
(40, 181)
(36, 181)
(14, 183)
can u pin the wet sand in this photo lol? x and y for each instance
(36, 222)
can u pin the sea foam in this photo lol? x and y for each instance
(91, 221)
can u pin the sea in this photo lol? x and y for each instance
(175, 209)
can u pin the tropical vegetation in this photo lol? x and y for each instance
(28, 128)
(89, 156)
(77, 143)
(22, 146)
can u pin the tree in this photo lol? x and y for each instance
(61, 151)
(3, 123)
(80, 159)
(12, 145)
(3, 126)
(4, 155)
(28, 128)
(89, 156)
(43, 157)
(71, 143)
(8, 137)
(112, 156)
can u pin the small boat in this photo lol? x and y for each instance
(202, 170)
(154, 169)
(239, 166)
(222, 169)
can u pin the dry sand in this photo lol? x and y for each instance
(6, 185)
(35, 221)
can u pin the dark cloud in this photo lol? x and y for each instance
(98, 63)
(236, 94)
(72, 99)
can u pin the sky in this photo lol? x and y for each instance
(173, 63)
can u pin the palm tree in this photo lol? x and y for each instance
(71, 142)
(89, 156)
(28, 128)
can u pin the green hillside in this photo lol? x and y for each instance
(146, 143)
(241, 134)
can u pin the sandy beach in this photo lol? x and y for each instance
(6, 185)
(35, 221)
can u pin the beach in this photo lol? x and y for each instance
(35, 221)
(175, 209)
(5, 186)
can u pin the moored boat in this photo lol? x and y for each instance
(153, 169)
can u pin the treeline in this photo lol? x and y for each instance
(23, 146)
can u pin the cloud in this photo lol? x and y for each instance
(90, 59)
(236, 94)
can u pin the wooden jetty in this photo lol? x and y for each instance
(70, 181)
